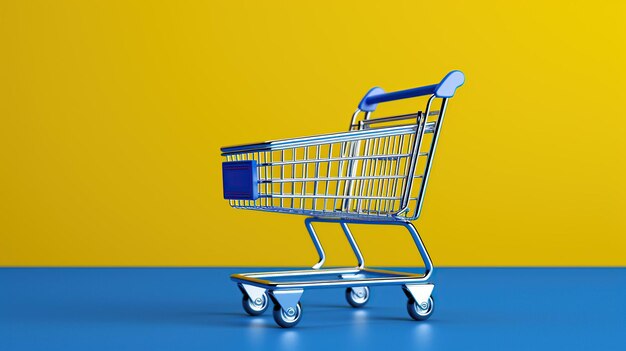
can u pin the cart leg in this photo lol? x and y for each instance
(353, 244)
(420, 304)
(287, 307)
(318, 245)
(356, 296)
(316, 241)
(428, 263)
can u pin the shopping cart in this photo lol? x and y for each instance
(375, 173)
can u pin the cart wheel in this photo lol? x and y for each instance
(420, 312)
(255, 307)
(358, 297)
(287, 318)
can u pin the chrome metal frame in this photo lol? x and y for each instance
(367, 175)
(349, 276)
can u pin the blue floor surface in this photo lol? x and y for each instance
(200, 309)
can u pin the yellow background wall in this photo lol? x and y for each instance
(113, 112)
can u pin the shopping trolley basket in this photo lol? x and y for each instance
(375, 173)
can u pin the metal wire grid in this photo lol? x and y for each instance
(363, 177)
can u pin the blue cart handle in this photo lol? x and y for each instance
(445, 89)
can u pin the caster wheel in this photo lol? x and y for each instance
(420, 312)
(255, 307)
(287, 318)
(358, 296)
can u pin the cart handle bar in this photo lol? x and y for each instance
(445, 89)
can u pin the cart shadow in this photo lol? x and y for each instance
(165, 313)
(322, 306)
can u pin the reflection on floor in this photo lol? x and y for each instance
(200, 309)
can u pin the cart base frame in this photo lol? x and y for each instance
(286, 287)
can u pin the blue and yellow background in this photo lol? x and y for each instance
(113, 113)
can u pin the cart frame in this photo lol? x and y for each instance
(361, 185)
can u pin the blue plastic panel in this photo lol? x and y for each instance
(240, 179)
